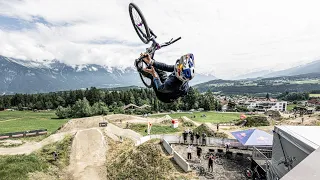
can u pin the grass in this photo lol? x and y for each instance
(314, 95)
(18, 167)
(14, 121)
(212, 117)
(147, 161)
(291, 106)
(156, 129)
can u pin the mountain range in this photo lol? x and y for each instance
(20, 76)
(312, 67)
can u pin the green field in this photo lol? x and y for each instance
(156, 129)
(314, 95)
(13, 121)
(213, 117)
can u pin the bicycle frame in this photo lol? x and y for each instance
(156, 46)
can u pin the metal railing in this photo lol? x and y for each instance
(262, 156)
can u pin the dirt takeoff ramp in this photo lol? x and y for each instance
(88, 155)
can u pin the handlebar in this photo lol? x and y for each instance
(170, 42)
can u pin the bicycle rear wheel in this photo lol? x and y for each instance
(139, 23)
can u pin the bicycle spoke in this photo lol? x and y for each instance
(138, 22)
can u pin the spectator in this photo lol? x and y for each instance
(185, 134)
(189, 150)
(199, 151)
(204, 143)
(227, 146)
(210, 163)
(191, 137)
(218, 127)
(197, 137)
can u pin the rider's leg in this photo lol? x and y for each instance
(162, 75)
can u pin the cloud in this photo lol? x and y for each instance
(226, 37)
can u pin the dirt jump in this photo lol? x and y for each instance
(88, 155)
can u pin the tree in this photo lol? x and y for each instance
(100, 108)
(81, 108)
(231, 104)
(268, 97)
(61, 101)
(63, 113)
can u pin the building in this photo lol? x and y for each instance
(295, 153)
(265, 105)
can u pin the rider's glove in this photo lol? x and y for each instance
(151, 62)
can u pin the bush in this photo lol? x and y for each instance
(242, 109)
(204, 129)
(63, 113)
(257, 121)
(187, 124)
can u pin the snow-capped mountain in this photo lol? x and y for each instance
(20, 76)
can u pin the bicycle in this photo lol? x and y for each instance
(202, 172)
(208, 154)
(217, 160)
(146, 35)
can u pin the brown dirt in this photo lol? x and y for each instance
(88, 155)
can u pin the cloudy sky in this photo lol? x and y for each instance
(227, 37)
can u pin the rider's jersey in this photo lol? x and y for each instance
(172, 88)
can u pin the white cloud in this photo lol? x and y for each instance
(226, 37)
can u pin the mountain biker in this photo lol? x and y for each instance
(169, 88)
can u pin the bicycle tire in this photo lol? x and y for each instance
(145, 80)
(218, 161)
(205, 157)
(145, 38)
(209, 175)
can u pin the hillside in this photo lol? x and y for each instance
(274, 85)
(312, 67)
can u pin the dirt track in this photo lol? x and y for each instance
(88, 155)
(29, 147)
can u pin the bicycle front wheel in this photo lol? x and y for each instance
(139, 23)
(146, 78)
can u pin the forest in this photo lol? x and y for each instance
(93, 101)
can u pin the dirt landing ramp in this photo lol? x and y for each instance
(88, 155)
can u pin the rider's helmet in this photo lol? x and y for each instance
(184, 68)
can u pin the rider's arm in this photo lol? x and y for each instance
(163, 66)
(163, 87)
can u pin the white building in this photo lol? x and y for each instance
(266, 105)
